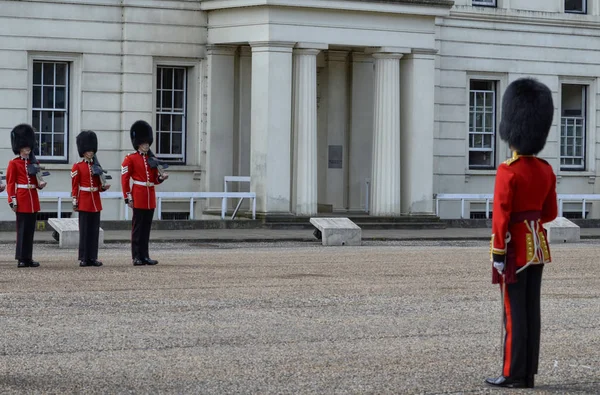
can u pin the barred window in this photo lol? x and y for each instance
(50, 96)
(576, 6)
(572, 127)
(482, 124)
(486, 3)
(171, 113)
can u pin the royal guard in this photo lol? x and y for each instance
(86, 185)
(22, 186)
(142, 168)
(524, 199)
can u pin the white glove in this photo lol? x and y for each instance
(499, 266)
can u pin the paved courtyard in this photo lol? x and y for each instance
(387, 317)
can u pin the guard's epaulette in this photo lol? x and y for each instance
(512, 160)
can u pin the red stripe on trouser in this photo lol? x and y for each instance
(509, 333)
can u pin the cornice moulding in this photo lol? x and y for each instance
(413, 7)
(515, 17)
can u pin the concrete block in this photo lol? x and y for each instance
(561, 230)
(338, 231)
(68, 232)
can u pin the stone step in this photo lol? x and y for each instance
(363, 225)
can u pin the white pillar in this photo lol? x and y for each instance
(337, 128)
(271, 119)
(361, 131)
(417, 115)
(385, 177)
(220, 117)
(305, 131)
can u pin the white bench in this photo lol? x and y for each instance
(68, 232)
(60, 196)
(488, 199)
(337, 231)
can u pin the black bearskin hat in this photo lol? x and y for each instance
(87, 141)
(22, 136)
(140, 133)
(527, 112)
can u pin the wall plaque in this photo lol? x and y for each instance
(336, 154)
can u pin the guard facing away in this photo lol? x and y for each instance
(524, 199)
(22, 185)
(141, 168)
(86, 185)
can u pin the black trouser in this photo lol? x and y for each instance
(25, 232)
(89, 229)
(140, 232)
(522, 324)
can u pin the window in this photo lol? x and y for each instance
(171, 114)
(576, 6)
(572, 127)
(50, 104)
(485, 3)
(482, 124)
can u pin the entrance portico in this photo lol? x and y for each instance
(333, 106)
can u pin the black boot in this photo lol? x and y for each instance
(150, 261)
(138, 262)
(83, 263)
(506, 382)
(34, 264)
(94, 262)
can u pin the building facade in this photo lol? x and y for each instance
(344, 105)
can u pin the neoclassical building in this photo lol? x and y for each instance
(328, 105)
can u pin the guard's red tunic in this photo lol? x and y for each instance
(85, 187)
(135, 167)
(524, 199)
(21, 188)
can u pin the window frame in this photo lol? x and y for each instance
(584, 6)
(171, 158)
(484, 3)
(589, 168)
(494, 144)
(584, 117)
(196, 106)
(73, 110)
(41, 108)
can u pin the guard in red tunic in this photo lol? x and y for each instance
(524, 199)
(141, 167)
(22, 193)
(86, 186)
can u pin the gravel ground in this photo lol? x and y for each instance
(387, 317)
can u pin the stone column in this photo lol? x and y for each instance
(271, 120)
(337, 128)
(385, 179)
(417, 122)
(304, 129)
(220, 118)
